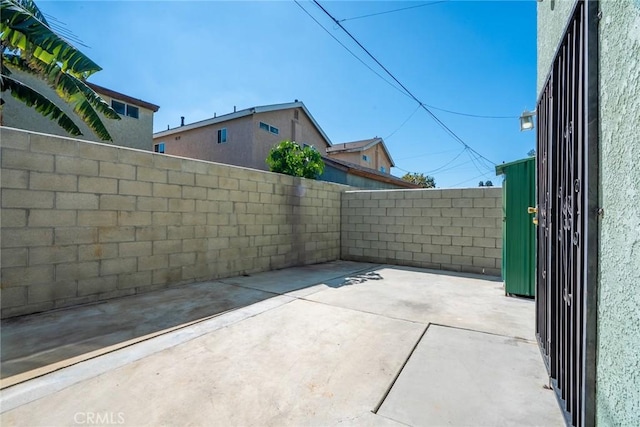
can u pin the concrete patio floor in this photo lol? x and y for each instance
(337, 343)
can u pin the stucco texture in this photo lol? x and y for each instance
(618, 359)
(552, 19)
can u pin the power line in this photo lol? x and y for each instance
(394, 10)
(420, 103)
(403, 123)
(350, 51)
(478, 116)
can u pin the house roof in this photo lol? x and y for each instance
(368, 172)
(122, 97)
(243, 113)
(356, 146)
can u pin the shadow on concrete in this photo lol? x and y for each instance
(33, 342)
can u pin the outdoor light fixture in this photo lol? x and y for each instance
(526, 120)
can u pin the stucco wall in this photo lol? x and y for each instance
(126, 132)
(247, 145)
(83, 222)
(618, 359)
(456, 229)
(376, 154)
(553, 16)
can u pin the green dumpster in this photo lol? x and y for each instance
(519, 229)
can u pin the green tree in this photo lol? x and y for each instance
(532, 153)
(290, 158)
(481, 184)
(424, 181)
(488, 184)
(29, 45)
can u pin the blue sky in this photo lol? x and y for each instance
(194, 58)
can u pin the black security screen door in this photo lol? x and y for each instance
(567, 216)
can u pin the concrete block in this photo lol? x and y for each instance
(153, 262)
(421, 238)
(151, 174)
(182, 259)
(472, 213)
(441, 221)
(441, 240)
(441, 203)
(441, 258)
(161, 247)
(462, 260)
(194, 245)
(13, 297)
(134, 280)
(117, 170)
(97, 218)
(76, 166)
(132, 249)
(76, 201)
(74, 235)
(166, 190)
(52, 291)
(116, 234)
(118, 266)
(161, 161)
(421, 257)
(52, 254)
(452, 250)
(152, 204)
(493, 213)
(135, 157)
(180, 232)
(470, 193)
(473, 251)
(166, 218)
(117, 203)
(452, 231)
(451, 212)
(15, 257)
(432, 249)
(134, 188)
(196, 167)
(14, 178)
(431, 230)
(462, 222)
(432, 212)
(182, 205)
(207, 181)
(462, 203)
(493, 253)
(14, 138)
(412, 247)
(484, 262)
(155, 232)
(97, 185)
(52, 182)
(485, 222)
(484, 242)
(404, 203)
(181, 178)
(462, 241)
(20, 159)
(452, 193)
(484, 202)
(134, 218)
(22, 276)
(27, 199)
(93, 252)
(473, 231)
(77, 270)
(97, 285)
(26, 237)
(194, 193)
(87, 150)
(194, 218)
(13, 218)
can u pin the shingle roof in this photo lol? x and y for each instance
(370, 173)
(361, 145)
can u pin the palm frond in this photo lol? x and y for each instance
(39, 102)
(21, 29)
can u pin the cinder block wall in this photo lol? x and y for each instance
(458, 229)
(84, 221)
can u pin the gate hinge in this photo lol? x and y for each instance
(600, 212)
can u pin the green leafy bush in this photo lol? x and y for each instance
(290, 158)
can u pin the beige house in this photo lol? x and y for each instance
(134, 129)
(368, 153)
(243, 138)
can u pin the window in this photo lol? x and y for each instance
(383, 169)
(365, 157)
(295, 114)
(265, 126)
(132, 111)
(118, 106)
(222, 135)
(125, 109)
(159, 148)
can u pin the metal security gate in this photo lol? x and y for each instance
(567, 213)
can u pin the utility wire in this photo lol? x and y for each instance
(403, 123)
(394, 10)
(350, 51)
(479, 116)
(420, 103)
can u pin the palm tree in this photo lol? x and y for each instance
(29, 45)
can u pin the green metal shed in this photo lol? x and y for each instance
(519, 229)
